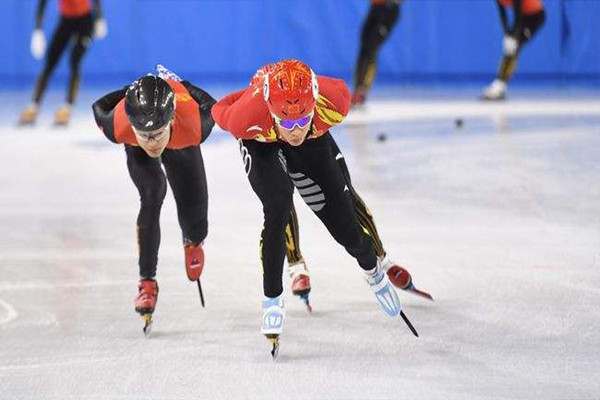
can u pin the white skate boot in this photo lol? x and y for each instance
(272, 321)
(385, 293)
(496, 91)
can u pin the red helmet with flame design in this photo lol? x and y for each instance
(290, 89)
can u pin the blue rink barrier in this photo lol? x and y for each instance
(224, 40)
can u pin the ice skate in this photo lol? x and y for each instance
(385, 293)
(145, 302)
(272, 322)
(300, 282)
(29, 115)
(63, 115)
(496, 91)
(194, 263)
(400, 278)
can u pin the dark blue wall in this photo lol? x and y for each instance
(229, 39)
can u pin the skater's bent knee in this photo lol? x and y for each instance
(153, 197)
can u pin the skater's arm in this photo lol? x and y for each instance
(39, 15)
(107, 103)
(503, 17)
(205, 102)
(104, 110)
(336, 93)
(242, 113)
(223, 109)
(332, 106)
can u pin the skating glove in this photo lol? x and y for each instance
(100, 28)
(38, 44)
(510, 45)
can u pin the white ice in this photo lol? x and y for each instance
(498, 219)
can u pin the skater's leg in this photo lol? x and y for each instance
(508, 63)
(58, 43)
(376, 28)
(60, 40)
(187, 178)
(82, 43)
(397, 274)
(297, 270)
(272, 185)
(185, 171)
(531, 26)
(148, 177)
(292, 238)
(360, 207)
(320, 182)
(82, 38)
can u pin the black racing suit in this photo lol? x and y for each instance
(274, 171)
(184, 171)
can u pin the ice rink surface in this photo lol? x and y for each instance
(499, 219)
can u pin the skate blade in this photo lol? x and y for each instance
(412, 289)
(200, 292)
(274, 340)
(147, 318)
(408, 323)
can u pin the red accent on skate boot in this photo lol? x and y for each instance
(145, 301)
(194, 260)
(399, 277)
(301, 285)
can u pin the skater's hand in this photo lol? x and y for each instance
(510, 45)
(38, 44)
(100, 28)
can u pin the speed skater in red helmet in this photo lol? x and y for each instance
(297, 270)
(282, 121)
(161, 121)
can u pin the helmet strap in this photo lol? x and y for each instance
(266, 90)
(314, 83)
